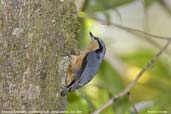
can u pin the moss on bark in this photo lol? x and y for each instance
(36, 36)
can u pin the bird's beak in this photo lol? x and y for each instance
(92, 37)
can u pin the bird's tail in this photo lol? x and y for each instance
(64, 91)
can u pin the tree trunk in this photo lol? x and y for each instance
(36, 37)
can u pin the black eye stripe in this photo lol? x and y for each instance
(100, 46)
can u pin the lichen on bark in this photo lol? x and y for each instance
(36, 39)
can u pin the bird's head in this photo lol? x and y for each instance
(101, 45)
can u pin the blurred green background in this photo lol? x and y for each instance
(127, 53)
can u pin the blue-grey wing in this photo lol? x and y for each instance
(93, 62)
(89, 68)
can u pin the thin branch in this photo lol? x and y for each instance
(135, 30)
(125, 28)
(147, 36)
(132, 104)
(130, 86)
(165, 5)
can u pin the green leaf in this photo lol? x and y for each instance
(110, 79)
(77, 103)
(158, 87)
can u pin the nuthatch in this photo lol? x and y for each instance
(84, 66)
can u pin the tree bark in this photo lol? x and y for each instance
(36, 37)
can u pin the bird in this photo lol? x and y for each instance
(84, 66)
